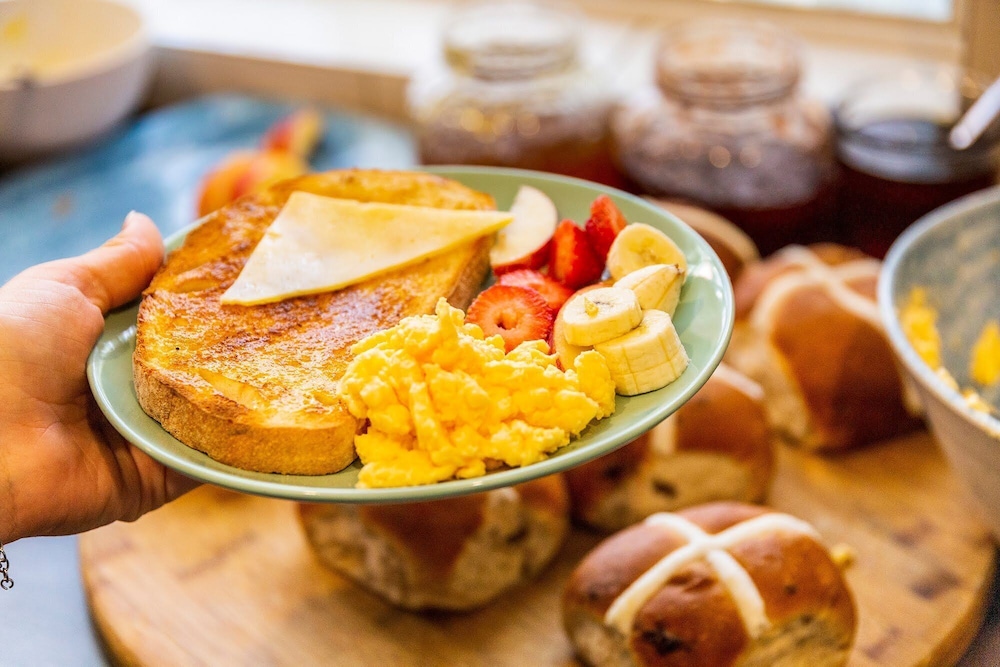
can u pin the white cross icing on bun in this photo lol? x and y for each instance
(834, 280)
(714, 550)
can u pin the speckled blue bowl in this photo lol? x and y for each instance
(954, 253)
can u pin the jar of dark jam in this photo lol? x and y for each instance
(896, 162)
(726, 128)
(514, 92)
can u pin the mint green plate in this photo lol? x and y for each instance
(704, 320)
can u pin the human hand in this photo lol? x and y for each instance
(63, 468)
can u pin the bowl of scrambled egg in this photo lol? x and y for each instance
(69, 71)
(939, 297)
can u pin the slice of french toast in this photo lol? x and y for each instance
(255, 387)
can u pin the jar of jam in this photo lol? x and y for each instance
(726, 128)
(513, 92)
(896, 161)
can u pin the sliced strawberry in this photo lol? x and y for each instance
(554, 294)
(573, 261)
(516, 313)
(605, 221)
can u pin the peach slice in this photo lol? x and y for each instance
(217, 185)
(297, 133)
(525, 242)
(245, 172)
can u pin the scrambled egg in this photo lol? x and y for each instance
(984, 367)
(443, 401)
(919, 323)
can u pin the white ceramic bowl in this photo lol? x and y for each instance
(69, 70)
(954, 253)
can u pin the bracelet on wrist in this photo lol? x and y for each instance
(6, 583)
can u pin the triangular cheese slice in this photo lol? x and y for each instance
(320, 244)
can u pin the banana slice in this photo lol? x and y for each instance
(639, 245)
(647, 358)
(657, 286)
(566, 353)
(599, 315)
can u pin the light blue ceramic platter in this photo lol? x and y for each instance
(704, 320)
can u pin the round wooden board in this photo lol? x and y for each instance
(219, 578)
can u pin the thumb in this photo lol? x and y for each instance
(177, 484)
(116, 272)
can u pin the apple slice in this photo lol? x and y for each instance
(565, 351)
(524, 243)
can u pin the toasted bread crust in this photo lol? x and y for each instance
(255, 386)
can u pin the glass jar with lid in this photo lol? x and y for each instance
(896, 160)
(726, 128)
(514, 92)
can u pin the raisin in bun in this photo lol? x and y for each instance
(730, 243)
(718, 584)
(718, 446)
(808, 330)
(456, 553)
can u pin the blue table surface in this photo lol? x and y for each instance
(154, 165)
(68, 205)
(65, 206)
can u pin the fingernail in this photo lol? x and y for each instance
(129, 219)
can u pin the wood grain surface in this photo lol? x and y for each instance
(219, 578)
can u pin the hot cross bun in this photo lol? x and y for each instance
(718, 584)
(717, 446)
(456, 553)
(808, 330)
(736, 250)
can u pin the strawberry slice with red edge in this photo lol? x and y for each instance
(554, 294)
(603, 225)
(573, 261)
(516, 313)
